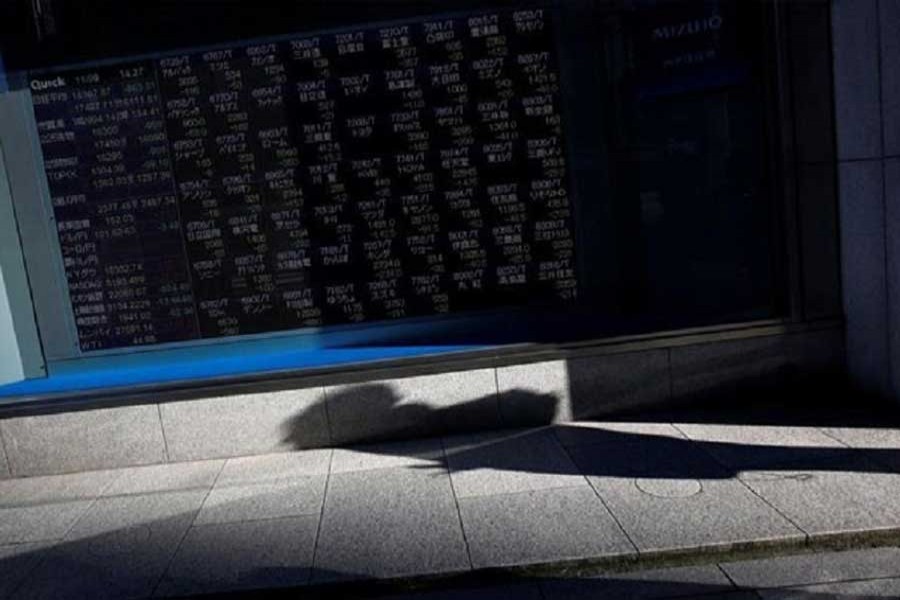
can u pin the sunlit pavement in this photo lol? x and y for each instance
(600, 495)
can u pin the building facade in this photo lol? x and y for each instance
(338, 224)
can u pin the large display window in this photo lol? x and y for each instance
(388, 183)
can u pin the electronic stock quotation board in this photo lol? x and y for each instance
(379, 173)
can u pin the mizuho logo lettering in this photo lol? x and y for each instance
(670, 32)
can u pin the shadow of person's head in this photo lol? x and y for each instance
(378, 412)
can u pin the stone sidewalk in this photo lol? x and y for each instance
(586, 493)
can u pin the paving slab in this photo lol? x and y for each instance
(824, 567)
(678, 500)
(237, 556)
(45, 508)
(822, 500)
(119, 549)
(509, 462)
(742, 446)
(146, 512)
(16, 563)
(540, 526)
(657, 583)
(387, 523)
(172, 477)
(425, 454)
(268, 487)
(231, 503)
(856, 590)
(668, 515)
(42, 522)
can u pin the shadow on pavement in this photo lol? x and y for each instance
(641, 443)
(118, 563)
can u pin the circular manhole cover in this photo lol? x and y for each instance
(669, 488)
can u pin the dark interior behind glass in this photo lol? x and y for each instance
(665, 119)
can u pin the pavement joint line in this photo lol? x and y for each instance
(59, 542)
(725, 574)
(187, 530)
(312, 562)
(599, 497)
(162, 429)
(462, 526)
(834, 437)
(743, 483)
(119, 473)
(324, 392)
(630, 562)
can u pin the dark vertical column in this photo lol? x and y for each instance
(812, 91)
(861, 191)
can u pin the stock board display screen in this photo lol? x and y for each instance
(378, 173)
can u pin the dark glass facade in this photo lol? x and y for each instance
(664, 119)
